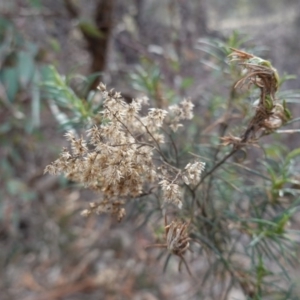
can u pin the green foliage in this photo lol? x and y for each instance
(19, 77)
(20, 106)
(18, 59)
(70, 109)
(148, 79)
(19, 74)
(269, 197)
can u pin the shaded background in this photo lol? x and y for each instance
(48, 251)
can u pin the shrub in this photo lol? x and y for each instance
(240, 224)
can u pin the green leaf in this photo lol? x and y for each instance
(35, 100)
(25, 68)
(9, 78)
(293, 154)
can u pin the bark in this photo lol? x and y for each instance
(97, 44)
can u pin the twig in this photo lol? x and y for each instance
(136, 143)
(186, 265)
(174, 147)
(216, 166)
(155, 141)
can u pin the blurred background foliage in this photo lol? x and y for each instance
(245, 247)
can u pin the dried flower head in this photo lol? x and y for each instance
(183, 111)
(269, 114)
(177, 237)
(171, 193)
(177, 240)
(259, 72)
(192, 172)
(157, 115)
(118, 158)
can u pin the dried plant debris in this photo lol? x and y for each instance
(123, 156)
(270, 114)
(176, 240)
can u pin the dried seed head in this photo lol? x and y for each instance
(177, 237)
(192, 172)
(171, 193)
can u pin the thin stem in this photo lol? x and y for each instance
(137, 143)
(186, 265)
(114, 114)
(211, 177)
(216, 166)
(176, 177)
(155, 141)
(156, 246)
(158, 149)
(166, 263)
(174, 147)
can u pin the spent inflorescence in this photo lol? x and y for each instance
(124, 155)
(269, 114)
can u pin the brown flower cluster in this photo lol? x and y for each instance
(124, 155)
